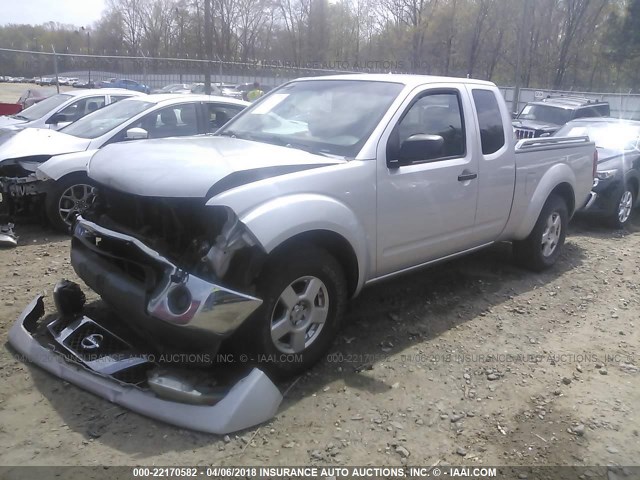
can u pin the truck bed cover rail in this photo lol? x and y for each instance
(545, 143)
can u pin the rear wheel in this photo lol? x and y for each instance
(622, 211)
(71, 195)
(541, 248)
(304, 293)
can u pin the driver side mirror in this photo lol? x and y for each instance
(136, 134)
(419, 147)
(56, 118)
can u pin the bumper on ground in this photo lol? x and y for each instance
(252, 400)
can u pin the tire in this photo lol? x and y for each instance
(541, 248)
(281, 337)
(624, 205)
(61, 197)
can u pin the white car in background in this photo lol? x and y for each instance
(39, 166)
(60, 110)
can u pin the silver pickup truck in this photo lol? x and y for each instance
(253, 239)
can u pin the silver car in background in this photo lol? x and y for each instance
(60, 110)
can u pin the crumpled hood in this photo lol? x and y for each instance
(191, 167)
(9, 121)
(38, 141)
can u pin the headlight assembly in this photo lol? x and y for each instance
(605, 174)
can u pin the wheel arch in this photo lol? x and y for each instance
(635, 184)
(558, 180)
(334, 243)
(321, 220)
(565, 191)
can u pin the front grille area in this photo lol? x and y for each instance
(92, 342)
(164, 223)
(524, 133)
(93, 346)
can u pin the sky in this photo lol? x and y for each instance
(75, 12)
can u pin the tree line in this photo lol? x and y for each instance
(562, 44)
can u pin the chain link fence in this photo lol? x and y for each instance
(158, 72)
(153, 72)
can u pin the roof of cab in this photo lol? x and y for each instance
(406, 79)
(189, 97)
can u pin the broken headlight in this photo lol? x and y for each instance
(233, 237)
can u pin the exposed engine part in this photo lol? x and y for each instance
(210, 242)
(22, 192)
(233, 237)
(17, 187)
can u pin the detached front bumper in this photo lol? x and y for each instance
(157, 297)
(251, 400)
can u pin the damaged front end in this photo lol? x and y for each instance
(175, 307)
(175, 279)
(21, 191)
(179, 271)
(85, 347)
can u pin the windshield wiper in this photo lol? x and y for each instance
(293, 144)
(231, 133)
(20, 117)
(277, 140)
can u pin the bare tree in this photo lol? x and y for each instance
(130, 12)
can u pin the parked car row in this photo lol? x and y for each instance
(8, 79)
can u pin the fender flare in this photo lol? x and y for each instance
(282, 218)
(555, 176)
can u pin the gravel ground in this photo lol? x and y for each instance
(473, 362)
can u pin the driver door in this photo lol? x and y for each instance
(427, 207)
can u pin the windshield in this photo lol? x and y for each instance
(610, 136)
(40, 109)
(106, 119)
(545, 114)
(321, 116)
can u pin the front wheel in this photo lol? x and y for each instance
(304, 293)
(541, 248)
(622, 211)
(70, 196)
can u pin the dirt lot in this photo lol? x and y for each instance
(473, 362)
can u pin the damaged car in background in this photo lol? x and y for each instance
(44, 172)
(250, 242)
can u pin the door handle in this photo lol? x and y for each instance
(463, 177)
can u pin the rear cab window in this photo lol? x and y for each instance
(489, 120)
